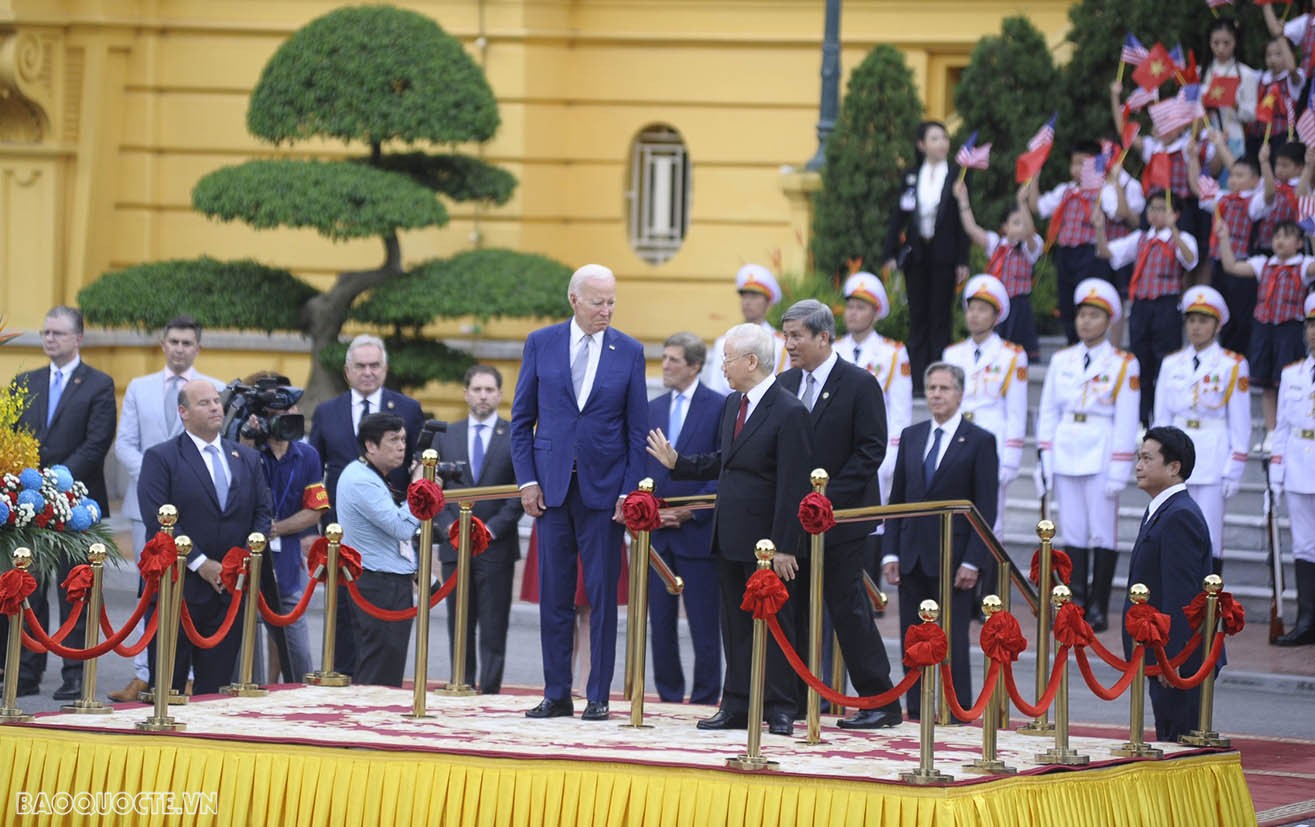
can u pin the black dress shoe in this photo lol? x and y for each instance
(1097, 619)
(871, 719)
(725, 720)
(26, 689)
(69, 690)
(595, 711)
(551, 709)
(780, 723)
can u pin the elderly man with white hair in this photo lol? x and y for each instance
(577, 444)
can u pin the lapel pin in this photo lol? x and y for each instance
(963, 439)
(826, 395)
(77, 380)
(499, 430)
(611, 347)
(390, 404)
(235, 456)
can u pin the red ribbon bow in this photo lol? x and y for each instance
(1060, 564)
(1071, 626)
(15, 586)
(1146, 626)
(479, 535)
(1232, 613)
(925, 644)
(425, 499)
(318, 556)
(235, 563)
(78, 583)
(816, 514)
(1002, 638)
(764, 594)
(157, 556)
(640, 510)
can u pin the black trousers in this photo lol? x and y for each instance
(344, 641)
(1072, 265)
(1155, 329)
(486, 619)
(1240, 295)
(33, 665)
(781, 688)
(930, 286)
(214, 667)
(381, 644)
(916, 586)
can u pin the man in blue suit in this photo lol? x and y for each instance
(578, 425)
(944, 458)
(333, 435)
(689, 413)
(221, 495)
(1171, 557)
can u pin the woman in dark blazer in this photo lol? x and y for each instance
(926, 241)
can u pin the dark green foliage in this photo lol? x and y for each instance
(372, 74)
(485, 284)
(458, 177)
(827, 289)
(871, 145)
(239, 295)
(412, 361)
(1005, 93)
(338, 200)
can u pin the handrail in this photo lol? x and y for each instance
(694, 502)
(481, 493)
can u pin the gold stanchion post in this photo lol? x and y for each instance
(637, 618)
(1136, 747)
(460, 637)
(816, 554)
(1041, 725)
(167, 608)
(988, 764)
(1060, 753)
(947, 595)
(326, 676)
(926, 773)
(752, 758)
(249, 581)
(1004, 587)
(429, 467)
(10, 713)
(87, 704)
(837, 674)
(1204, 735)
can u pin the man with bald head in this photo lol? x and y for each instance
(578, 422)
(221, 495)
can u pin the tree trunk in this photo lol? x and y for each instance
(324, 316)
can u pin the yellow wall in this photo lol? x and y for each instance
(117, 107)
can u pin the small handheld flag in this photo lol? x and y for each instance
(971, 156)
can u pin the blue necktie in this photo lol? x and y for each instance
(929, 462)
(477, 453)
(677, 418)
(219, 476)
(56, 391)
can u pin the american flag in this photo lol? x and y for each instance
(1140, 97)
(1191, 93)
(1306, 128)
(1044, 137)
(1133, 52)
(1208, 187)
(1092, 176)
(1306, 213)
(1176, 55)
(1171, 114)
(971, 156)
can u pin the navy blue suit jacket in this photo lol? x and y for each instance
(698, 435)
(82, 431)
(550, 434)
(499, 516)
(968, 471)
(334, 437)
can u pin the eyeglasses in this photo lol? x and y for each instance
(56, 334)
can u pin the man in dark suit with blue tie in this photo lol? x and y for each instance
(689, 413)
(483, 442)
(578, 422)
(1171, 557)
(221, 495)
(944, 458)
(70, 409)
(333, 435)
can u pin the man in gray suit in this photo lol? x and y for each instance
(150, 416)
(483, 442)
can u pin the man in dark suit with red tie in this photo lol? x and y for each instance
(70, 408)
(577, 440)
(761, 468)
(219, 489)
(944, 458)
(689, 412)
(483, 442)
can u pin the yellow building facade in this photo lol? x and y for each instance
(111, 110)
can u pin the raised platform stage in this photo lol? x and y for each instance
(325, 756)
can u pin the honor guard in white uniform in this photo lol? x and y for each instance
(758, 291)
(1087, 433)
(1204, 390)
(1292, 470)
(866, 304)
(995, 378)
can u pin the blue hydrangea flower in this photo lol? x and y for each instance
(93, 508)
(32, 498)
(63, 478)
(30, 479)
(4, 511)
(80, 518)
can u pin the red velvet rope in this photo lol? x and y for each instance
(425, 499)
(273, 618)
(147, 634)
(640, 511)
(15, 586)
(1119, 687)
(394, 615)
(1151, 669)
(39, 641)
(816, 514)
(479, 536)
(801, 669)
(1060, 564)
(1047, 698)
(212, 641)
(1175, 680)
(988, 688)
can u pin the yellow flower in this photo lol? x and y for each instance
(19, 448)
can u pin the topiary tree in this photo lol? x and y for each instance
(872, 143)
(1006, 92)
(377, 77)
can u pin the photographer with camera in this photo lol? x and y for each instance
(263, 411)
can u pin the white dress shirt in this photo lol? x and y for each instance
(200, 559)
(820, 375)
(931, 185)
(948, 430)
(1163, 497)
(376, 404)
(755, 395)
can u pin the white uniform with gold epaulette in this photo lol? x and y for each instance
(1211, 404)
(715, 379)
(888, 360)
(1292, 458)
(995, 398)
(1087, 433)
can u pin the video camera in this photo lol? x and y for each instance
(267, 401)
(448, 472)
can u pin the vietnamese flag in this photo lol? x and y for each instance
(1029, 164)
(1221, 93)
(1157, 174)
(1130, 130)
(1265, 106)
(1155, 69)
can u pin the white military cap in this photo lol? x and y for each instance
(755, 278)
(865, 286)
(1099, 294)
(1205, 300)
(991, 290)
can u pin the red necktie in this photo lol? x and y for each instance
(739, 420)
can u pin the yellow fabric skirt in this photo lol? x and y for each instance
(244, 783)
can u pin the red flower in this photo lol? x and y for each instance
(157, 556)
(235, 563)
(78, 583)
(640, 510)
(1059, 564)
(925, 644)
(1002, 638)
(425, 499)
(815, 513)
(1071, 626)
(479, 535)
(15, 586)
(764, 594)
(1145, 625)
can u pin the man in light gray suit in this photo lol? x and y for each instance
(150, 416)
